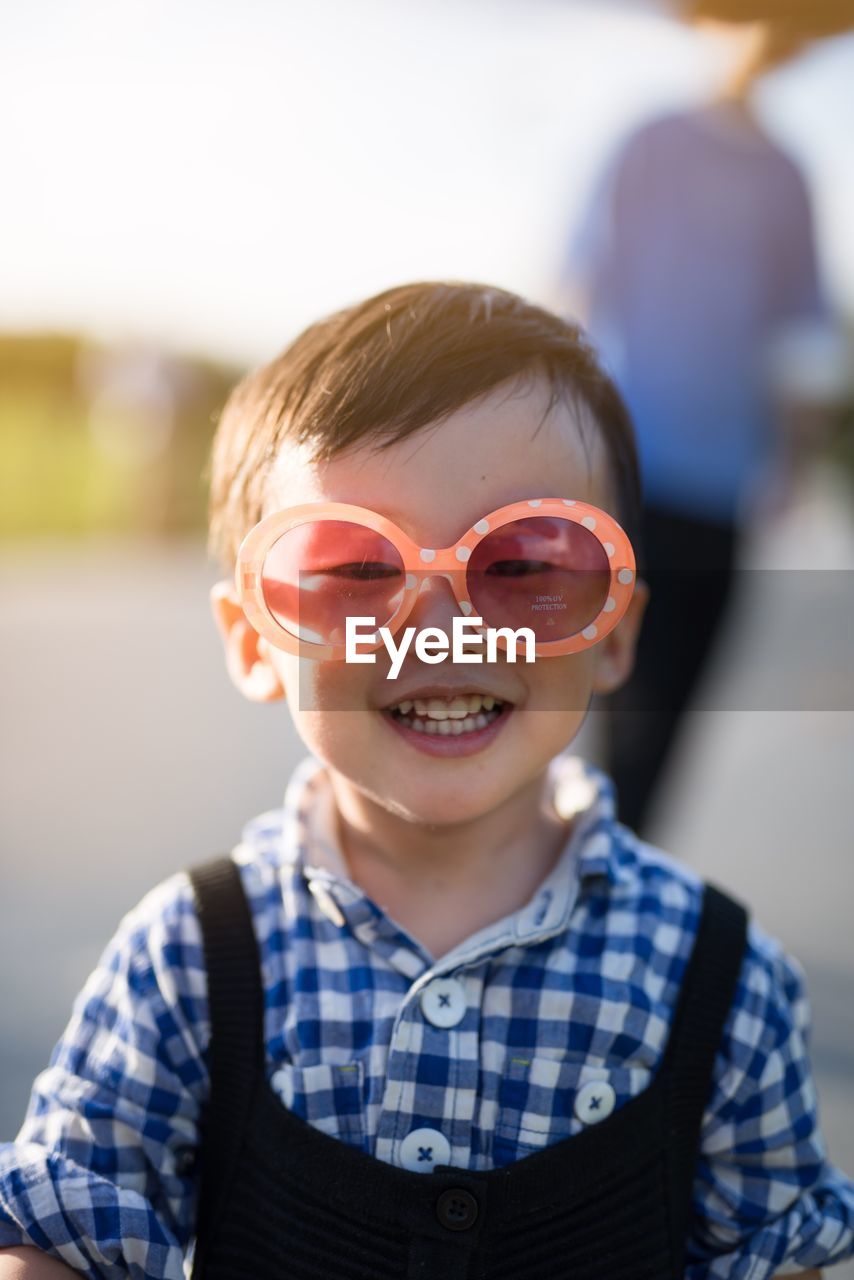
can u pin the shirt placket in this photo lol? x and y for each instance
(430, 1100)
(428, 1105)
(430, 1092)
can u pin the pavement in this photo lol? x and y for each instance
(129, 755)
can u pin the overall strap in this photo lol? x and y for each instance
(236, 1050)
(705, 1000)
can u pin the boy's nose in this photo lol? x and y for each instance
(436, 605)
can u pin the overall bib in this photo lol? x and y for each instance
(280, 1200)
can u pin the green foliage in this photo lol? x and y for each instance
(73, 460)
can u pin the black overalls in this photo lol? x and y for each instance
(280, 1200)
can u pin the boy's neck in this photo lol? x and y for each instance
(475, 872)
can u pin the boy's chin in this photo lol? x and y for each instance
(446, 802)
(440, 812)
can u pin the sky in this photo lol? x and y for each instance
(213, 176)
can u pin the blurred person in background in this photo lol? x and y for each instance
(695, 255)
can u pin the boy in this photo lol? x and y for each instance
(444, 956)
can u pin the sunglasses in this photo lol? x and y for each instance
(559, 566)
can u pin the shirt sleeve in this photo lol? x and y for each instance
(766, 1199)
(798, 291)
(101, 1174)
(592, 272)
(588, 247)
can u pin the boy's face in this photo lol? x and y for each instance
(435, 485)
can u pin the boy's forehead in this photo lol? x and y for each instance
(505, 447)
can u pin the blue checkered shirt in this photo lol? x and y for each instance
(578, 985)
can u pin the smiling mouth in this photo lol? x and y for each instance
(448, 717)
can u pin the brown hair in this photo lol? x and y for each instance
(790, 20)
(388, 366)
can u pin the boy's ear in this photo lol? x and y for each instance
(247, 655)
(616, 653)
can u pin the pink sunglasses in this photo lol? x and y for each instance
(559, 566)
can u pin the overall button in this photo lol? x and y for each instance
(443, 1002)
(422, 1149)
(594, 1101)
(456, 1209)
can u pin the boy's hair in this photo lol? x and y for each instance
(389, 366)
(790, 17)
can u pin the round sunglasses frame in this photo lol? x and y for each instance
(422, 563)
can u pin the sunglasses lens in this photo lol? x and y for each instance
(542, 572)
(320, 573)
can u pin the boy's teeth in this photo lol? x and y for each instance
(452, 728)
(440, 710)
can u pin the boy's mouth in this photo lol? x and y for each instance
(448, 716)
(449, 724)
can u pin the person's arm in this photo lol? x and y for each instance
(804, 364)
(101, 1177)
(583, 274)
(27, 1263)
(766, 1199)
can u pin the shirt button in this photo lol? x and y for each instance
(422, 1149)
(594, 1101)
(443, 1002)
(456, 1209)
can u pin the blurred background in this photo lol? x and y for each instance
(186, 188)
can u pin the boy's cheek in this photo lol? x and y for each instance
(564, 684)
(325, 688)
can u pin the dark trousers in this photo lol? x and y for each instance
(689, 568)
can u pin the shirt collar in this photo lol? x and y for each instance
(582, 791)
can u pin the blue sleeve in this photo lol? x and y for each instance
(593, 266)
(798, 293)
(101, 1174)
(766, 1200)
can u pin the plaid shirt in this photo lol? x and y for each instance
(576, 986)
